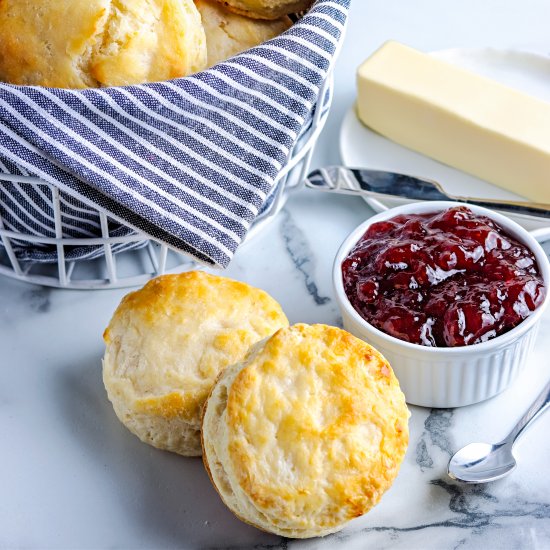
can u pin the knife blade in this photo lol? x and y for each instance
(380, 184)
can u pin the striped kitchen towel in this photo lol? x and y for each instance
(188, 162)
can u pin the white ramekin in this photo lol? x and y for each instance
(448, 377)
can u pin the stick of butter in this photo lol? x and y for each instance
(462, 119)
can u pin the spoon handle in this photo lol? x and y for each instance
(539, 405)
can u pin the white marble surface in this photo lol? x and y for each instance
(72, 477)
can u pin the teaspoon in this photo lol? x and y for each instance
(484, 462)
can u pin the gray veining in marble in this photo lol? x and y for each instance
(299, 249)
(437, 427)
(38, 299)
(423, 458)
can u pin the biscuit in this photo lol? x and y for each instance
(306, 433)
(266, 9)
(166, 344)
(228, 33)
(92, 43)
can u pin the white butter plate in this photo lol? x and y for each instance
(361, 147)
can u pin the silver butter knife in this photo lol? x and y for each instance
(380, 184)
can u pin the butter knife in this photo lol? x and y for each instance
(380, 184)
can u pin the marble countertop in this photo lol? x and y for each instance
(72, 476)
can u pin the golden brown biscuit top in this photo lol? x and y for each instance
(317, 427)
(170, 339)
(89, 43)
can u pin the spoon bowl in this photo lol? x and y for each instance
(481, 462)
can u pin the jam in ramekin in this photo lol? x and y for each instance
(445, 279)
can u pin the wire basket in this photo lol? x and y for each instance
(148, 258)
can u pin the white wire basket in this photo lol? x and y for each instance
(151, 258)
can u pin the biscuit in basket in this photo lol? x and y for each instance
(92, 43)
(266, 9)
(228, 33)
(306, 433)
(166, 344)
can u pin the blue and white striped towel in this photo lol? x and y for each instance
(189, 162)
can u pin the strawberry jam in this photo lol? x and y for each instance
(446, 279)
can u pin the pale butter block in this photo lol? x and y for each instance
(462, 119)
